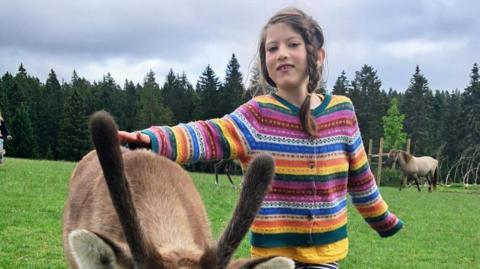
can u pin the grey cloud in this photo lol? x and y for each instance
(78, 34)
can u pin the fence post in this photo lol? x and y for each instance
(370, 142)
(380, 157)
(407, 149)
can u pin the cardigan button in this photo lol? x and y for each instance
(311, 164)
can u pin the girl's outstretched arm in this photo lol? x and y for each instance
(363, 188)
(207, 140)
(204, 140)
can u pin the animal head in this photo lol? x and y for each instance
(393, 155)
(127, 243)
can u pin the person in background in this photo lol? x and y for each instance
(4, 135)
(315, 142)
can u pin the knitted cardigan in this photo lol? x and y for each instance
(307, 202)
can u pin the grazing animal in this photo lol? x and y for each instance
(135, 209)
(229, 164)
(415, 167)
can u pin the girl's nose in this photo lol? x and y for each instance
(282, 53)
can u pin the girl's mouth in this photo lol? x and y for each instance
(284, 67)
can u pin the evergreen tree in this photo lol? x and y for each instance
(151, 110)
(15, 92)
(20, 89)
(106, 87)
(75, 78)
(232, 91)
(23, 144)
(26, 90)
(73, 134)
(8, 85)
(130, 108)
(394, 94)
(185, 114)
(342, 85)
(440, 126)
(173, 95)
(453, 134)
(50, 115)
(418, 109)
(369, 102)
(84, 88)
(393, 128)
(208, 98)
(112, 99)
(357, 96)
(471, 109)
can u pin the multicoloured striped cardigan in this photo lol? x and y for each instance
(306, 204)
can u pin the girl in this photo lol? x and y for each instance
(314, 139)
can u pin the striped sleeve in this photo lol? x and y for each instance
(207, 140)
(364, 191)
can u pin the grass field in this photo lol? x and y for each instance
(442, 229)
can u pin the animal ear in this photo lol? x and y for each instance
(91, 250)
(255, 186)
(263, 263)
(407, 156)
(104, 135)
(209, 257)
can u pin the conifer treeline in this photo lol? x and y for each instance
(441, 124)
(49, 120)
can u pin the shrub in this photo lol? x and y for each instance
(391, 177)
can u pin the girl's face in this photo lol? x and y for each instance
(286, 57)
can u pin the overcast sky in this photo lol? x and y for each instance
(128, 38)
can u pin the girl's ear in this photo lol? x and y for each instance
(320, 57)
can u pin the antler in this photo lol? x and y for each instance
(255, 186)
(104, 135)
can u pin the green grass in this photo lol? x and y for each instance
(442, 229)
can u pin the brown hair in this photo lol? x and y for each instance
(312, 35)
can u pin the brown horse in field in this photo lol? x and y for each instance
(415, 167)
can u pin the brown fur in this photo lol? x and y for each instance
(163, 222)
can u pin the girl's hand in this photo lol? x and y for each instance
(134, 140)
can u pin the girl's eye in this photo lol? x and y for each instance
(294, 45)
(271, 49)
